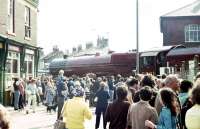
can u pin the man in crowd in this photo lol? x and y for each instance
(142, 110)
(61, 87)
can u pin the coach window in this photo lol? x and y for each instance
(148, 61)
(192, 33)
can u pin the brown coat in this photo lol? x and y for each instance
(116, 114)
(139, 112)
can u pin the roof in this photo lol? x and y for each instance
(192, 9)
(51, 54)
(184, 51)
(155, 51)
(163, 48)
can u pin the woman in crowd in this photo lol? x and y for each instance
(117, 111)
(185, 86)
(16, 93)
(50, 93)
(22, 94)
(102, 103)
(192, 119)
(76, 110)
(185, 99)
(168, 114)
(132, 89)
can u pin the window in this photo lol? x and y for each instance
(25, 66)
(13, 63)
(8, 65)
(15, 66)
(28, 64)
(148, 61)
(27, 22)
(11, 16)
(30, 67)
(192, 33)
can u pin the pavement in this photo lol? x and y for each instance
(40, 119)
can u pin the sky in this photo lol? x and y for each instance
(68, 23)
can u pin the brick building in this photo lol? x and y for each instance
(19, 53)
(182, 26)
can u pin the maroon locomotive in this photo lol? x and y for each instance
(112, 64)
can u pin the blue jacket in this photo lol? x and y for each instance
(60, 86)
(166, 120)
(102, 101)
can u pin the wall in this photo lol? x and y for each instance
(19, 21)
(173, 30)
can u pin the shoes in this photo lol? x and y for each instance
(27, 112)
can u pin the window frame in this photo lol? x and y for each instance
(27, 22)
(192, 33)
(11, 17)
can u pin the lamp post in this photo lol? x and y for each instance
(137, 38)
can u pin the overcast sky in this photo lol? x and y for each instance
(67, 23)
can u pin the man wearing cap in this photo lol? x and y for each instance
(76, 110)
(31, 90)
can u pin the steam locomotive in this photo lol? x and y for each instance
(125, 63)
(112, 64)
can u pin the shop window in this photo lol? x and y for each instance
(15, 66)
(30, 67)
(8, 66)
(9, 54)
(25, 66)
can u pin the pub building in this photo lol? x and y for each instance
(19, 53)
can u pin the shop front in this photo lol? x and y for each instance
(17, 60)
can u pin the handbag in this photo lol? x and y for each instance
(59, 124)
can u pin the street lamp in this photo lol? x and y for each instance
(137, 38)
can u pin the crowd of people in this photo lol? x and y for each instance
(135, 102)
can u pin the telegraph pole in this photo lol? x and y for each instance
(137, 38)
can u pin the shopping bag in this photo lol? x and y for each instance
(59, 124)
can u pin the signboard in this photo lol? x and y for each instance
(13, 48)
(28, 51)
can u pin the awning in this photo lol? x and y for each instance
(152, 53)
(184, 51)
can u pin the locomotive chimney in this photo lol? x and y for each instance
(65, 56)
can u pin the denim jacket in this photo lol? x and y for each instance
(166, 120)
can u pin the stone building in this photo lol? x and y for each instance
(19, 53)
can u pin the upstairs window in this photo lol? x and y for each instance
(11, 16)
(27, 22)
(192, 33)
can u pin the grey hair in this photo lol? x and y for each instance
(169, 79)
(61, 72)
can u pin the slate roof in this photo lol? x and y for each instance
(192, 9)
(155, 51)
(184, 51)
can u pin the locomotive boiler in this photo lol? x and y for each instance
(111, 64)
